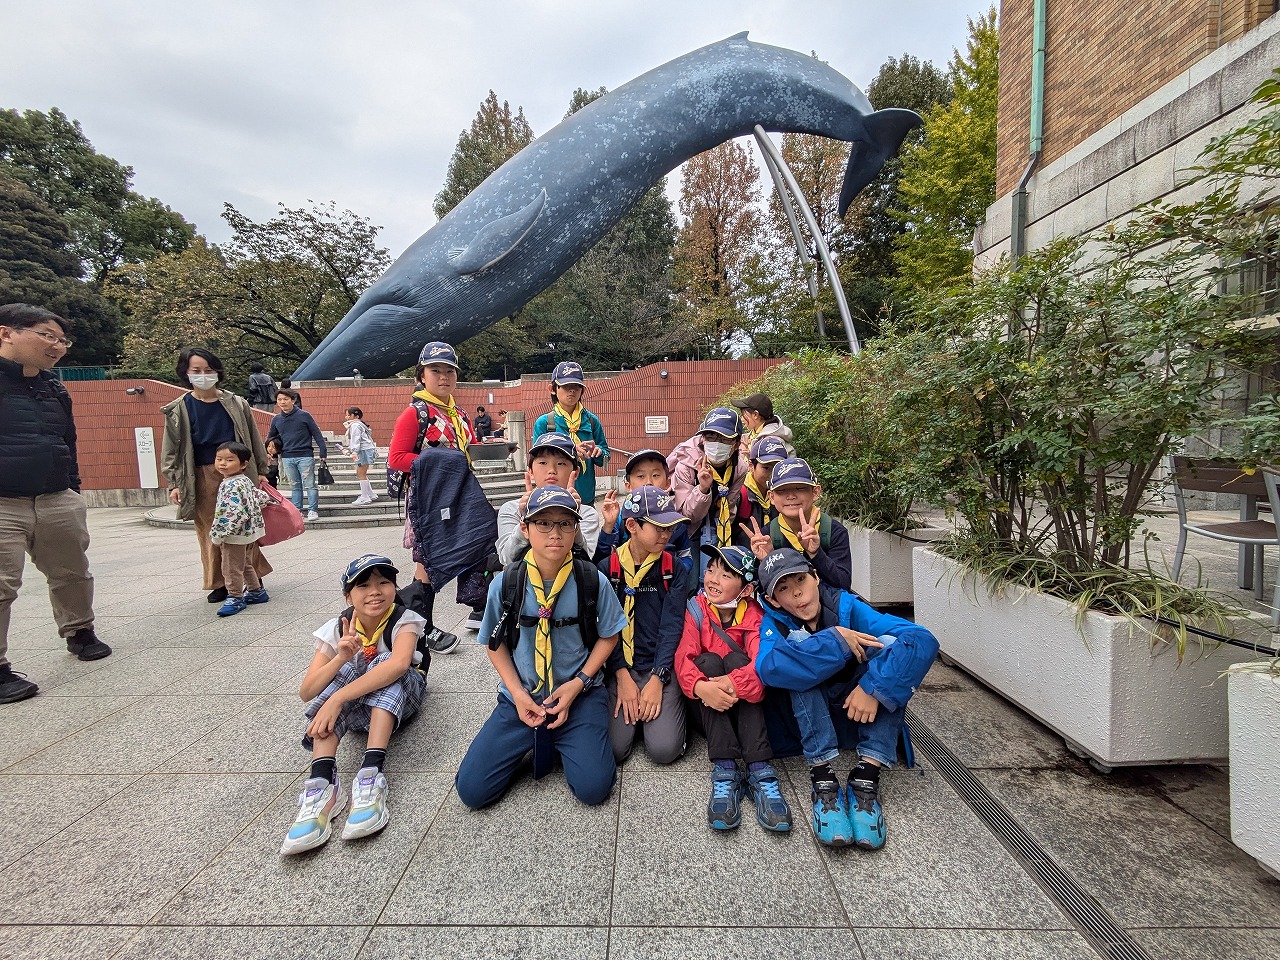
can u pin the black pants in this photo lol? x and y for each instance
(738, 733)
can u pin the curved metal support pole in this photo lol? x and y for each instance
(770, 151)
(802, 249)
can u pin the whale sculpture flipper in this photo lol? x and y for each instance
(498, 238)
(886, 129)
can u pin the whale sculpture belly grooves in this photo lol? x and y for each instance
(538, 213)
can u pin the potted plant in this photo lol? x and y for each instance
(837, 408)
(1040, 404)
(1253, 696)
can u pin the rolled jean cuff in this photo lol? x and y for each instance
(823, 758)
(877, 755)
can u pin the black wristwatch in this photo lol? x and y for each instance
(663, 674)
(587, 682)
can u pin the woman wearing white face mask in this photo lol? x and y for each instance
(195, 425)
(707, 473)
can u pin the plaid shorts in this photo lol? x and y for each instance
(401, 699)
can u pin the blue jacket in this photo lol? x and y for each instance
(454, 525)
(792, 658)
(679, 544)
(659, 618)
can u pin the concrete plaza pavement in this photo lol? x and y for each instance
(143, 799)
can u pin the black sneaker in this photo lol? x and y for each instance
(440, 641)
(217, 595)
(14, 686)
(84, 643)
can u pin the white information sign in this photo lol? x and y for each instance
(655, 425)
(145, 443)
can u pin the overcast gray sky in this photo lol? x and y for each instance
(255, 102)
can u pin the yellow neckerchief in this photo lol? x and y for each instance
(546, 606)
(631, 578)
(722, 477)
(739, 614)
(455, 418)
(793, 537)
(572, 422)
(762, 498)
(369, 641)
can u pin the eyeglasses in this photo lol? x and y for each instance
(546, 526)
(50, 338)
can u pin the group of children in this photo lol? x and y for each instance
(713, 593)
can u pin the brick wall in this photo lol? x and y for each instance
(1102, 57)
(106, 416)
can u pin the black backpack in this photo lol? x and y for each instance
(396, 479)
(515, 579)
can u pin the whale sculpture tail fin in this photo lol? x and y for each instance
(884, 132)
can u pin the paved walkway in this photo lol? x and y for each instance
(144, 798)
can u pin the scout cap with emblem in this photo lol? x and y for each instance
(769, 449)
(781, 563)
(723, 421)
(641, 456)
(370, 561)
(559, 442)
(439, 352)
(653, 505)
(567, 373)
(792, 470)
(549, 497)
(741, 561)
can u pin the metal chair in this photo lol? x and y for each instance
(1219, 476)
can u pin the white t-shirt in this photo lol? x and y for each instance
(328, 635)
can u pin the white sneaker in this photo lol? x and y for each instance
(474, 620)
(318, 804)
(312, 515)
(360, 501)
(369, 812)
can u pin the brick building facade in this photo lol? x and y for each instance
(1132, 92)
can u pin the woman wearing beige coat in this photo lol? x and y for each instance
(194, 425)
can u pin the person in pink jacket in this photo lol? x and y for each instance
(715, 666)
(707, 473)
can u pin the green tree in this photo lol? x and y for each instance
(719, 205)
(273, 292)
(110, 223)
(948, 178)
(495, 136)
(38, 265)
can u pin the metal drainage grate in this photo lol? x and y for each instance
(1093, 922)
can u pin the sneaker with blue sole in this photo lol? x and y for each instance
(724, 810)
(231, 606)
(318, 804)
(830, 814)
(772, 811)
(866, 814)
(256, 596)
(369, 811)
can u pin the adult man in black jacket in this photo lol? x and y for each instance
(41, 510)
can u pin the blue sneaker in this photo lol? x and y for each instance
(772, 811)
(866, 815)
(318, 804)
(256, 596)
(830, 815)
(231, 606)
(723, 811)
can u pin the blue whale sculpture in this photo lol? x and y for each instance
(538, 213)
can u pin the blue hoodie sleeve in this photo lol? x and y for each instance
(895, 672)
(795, 659)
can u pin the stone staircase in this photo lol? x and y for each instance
(337, 510)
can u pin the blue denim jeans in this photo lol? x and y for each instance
(504, 740)
(877, 740)
(300, 472)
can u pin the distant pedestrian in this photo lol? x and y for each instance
(41, 510)
(262, 389)
(297, 431)
(482, 424)
(363, 451)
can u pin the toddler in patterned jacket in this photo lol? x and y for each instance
(237, 524)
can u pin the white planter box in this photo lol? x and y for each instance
(1111, 697)
(882, 562)
(1254, 700)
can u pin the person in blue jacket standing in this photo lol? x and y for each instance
(568, 415)
(832, 651)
